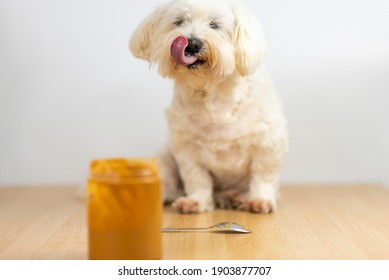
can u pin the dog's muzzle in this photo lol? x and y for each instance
(184, 51)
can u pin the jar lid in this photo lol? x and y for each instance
(124, 170)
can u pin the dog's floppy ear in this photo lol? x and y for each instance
(249, 40)
(142, 39)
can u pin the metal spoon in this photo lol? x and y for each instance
(224, 227)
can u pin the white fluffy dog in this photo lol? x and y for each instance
(228, 134)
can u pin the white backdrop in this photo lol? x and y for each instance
(70, 91)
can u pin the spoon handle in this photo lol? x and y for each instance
(168, 229)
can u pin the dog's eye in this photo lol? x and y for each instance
(214, 25)
(179, 22)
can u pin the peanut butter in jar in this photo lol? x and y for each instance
(125, 209)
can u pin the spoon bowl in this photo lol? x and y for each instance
(224, 227)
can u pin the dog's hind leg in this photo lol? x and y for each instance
(231, 199)
(172, 184)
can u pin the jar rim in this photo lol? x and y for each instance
(123, 170)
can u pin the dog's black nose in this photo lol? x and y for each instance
(194, 46)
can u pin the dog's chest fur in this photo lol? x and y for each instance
(222, 130)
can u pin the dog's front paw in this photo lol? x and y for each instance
(186, 205)
(262, 206)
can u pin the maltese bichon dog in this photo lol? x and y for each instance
(228, 135)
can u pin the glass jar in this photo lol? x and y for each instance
(125, 209)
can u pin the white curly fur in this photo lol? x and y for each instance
(228, 134)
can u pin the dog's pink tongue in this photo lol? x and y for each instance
(178, 51)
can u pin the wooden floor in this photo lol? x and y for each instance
(312, 222)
